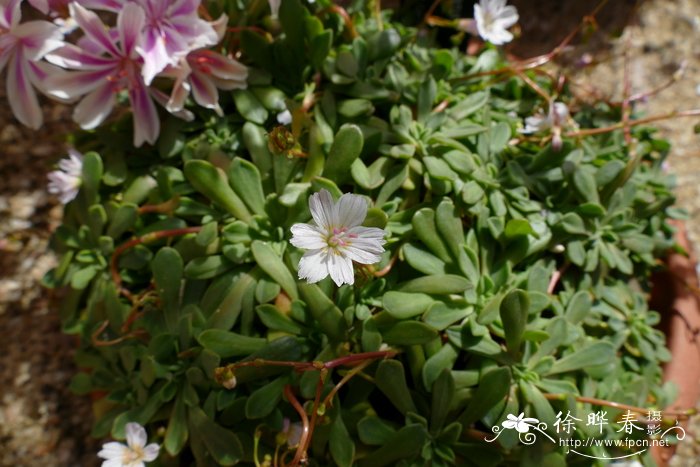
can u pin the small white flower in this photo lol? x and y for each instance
(134, 454)
(284, 118)
(336, 239)
(557, 117)
(520, 423)
(291, 433)
(493, 18)
(66, 181)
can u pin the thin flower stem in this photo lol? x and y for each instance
(626, 89)
(165, 207)
(540, 60)
(683, 414)
(101, 343)
(640, 121)
(430, 11)
(328, 401)
(677, 75)
(314, 411)
(289, 394)
(556, 276)
(386, 269)
(150, 237)
(343, 14)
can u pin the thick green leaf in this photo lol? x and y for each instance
(249, 106)
(579, 306)
(424, 226)
(423, 261)
(403, 305)
(374, 431)
(340, 443)
(443, 391)
(407, 442)
(229, 344)
(323, 309)
(347, 146)
(391, 380)
(273, 318)
(514, 311)
(493, 387)
(264, 400)
(223, 445)
(177, 433)
(245, 180)
(435, 284)
(409, 333)
(273, 265)
(212, 183)
(167, 269)
(598, 353)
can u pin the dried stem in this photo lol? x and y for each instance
(682, 414)
(305, 434)
(165, 207)
(150, 237)
(556, 276)
(631, 123)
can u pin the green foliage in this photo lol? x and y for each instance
(478, 221)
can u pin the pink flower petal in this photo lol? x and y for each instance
(93, 28)
(219, 65)
(95, 107)
(10, 13)
(73, 84)
(38, 38)
(146, 121)
(204, 92)
(70, 56)
(155, 56)
(20, 93)
(130, 23)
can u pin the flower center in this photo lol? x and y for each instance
(340, 237)
(133, 454)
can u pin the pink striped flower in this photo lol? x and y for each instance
(21, 48)
(106, 64)
(203, 72)
(172, 28)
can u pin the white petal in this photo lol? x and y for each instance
(274, 7)
(95, 107)
(313, 266)
(323, 210)
(508, 16)
(360, 255)
(20, 93)
(136, 436)
(352, 210)
(340, 269)
(284, 118)
(117, 462)
(368, 233)
(308, 237)
(150, 452)
(112, 450)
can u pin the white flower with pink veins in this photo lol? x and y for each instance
(135, 453)
(336, 238)
(493, 18)
(65, 182)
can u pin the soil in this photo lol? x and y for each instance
(43, 424)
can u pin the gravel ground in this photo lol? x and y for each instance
(43, 424)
